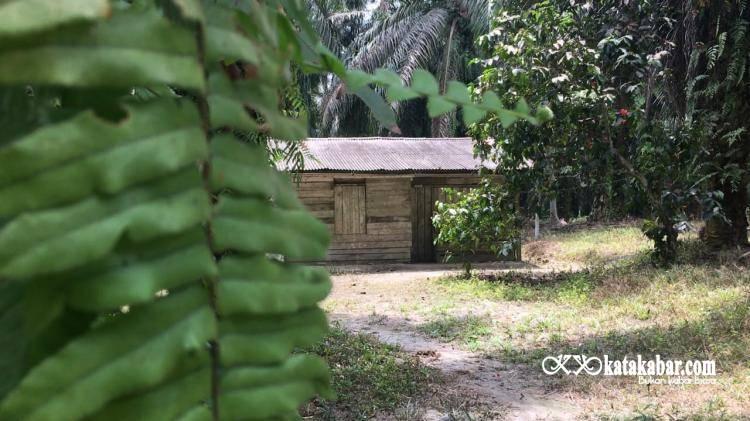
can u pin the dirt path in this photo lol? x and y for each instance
(375, 303)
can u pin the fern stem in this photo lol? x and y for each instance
(210, 283)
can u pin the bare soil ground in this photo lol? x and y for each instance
(487, 337)
(494, 388)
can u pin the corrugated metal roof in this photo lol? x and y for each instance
(391, 154)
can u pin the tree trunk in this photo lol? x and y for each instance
(720, 233)
(440, 125)
(553, 218)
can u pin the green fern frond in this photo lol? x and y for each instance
(110, 218)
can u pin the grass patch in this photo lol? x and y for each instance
(621, 306)
(597, 245)
(587, 244)
(469, 329)
(563, 287)
(689, 311)
(714, 410)
(368, 377)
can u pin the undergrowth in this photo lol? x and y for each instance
(369, 377)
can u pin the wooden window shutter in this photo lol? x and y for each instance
(350, 214)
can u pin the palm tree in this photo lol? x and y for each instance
(338, 22)
(436, 35)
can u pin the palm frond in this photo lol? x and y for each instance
(478, 14)
(375, 53)
(422, 46)
(383, 25)
(404, 36)
(342, 18)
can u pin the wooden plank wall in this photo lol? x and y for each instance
(387, 211)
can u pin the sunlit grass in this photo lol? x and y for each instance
(589, 245)
(604, 302)
(619, 306)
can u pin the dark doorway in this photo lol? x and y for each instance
(423, 200)
(424, 196)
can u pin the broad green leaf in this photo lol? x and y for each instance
(190, 9)
(64, 238)
(125, 355)
(286, 128)
(256, 226)
(458, 93)
(544, 113)
(472, 114)
(229, 46)
(424, 82)
(491, 102)
(437, 105)
(507, 117)
(396, 93)
(87, 154)
(223, 41)
(245, 168)
(14, 334)
(266, 391)
(387, 77)
(228, 113)
(270, 339)
(307, 227)
(259, 286)
(356, 79)
(111, 221)
(23, 17)
(331, 62)
(522, 107)
(198, 413)
(297, 367)
(288, 40)
(259, 97)
(381, 110)
(34, 324)
(119, 52)
(134, 276)
(297, 10)
(167, 401)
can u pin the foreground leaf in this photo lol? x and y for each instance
(118, 52)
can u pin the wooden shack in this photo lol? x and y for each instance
(377, 195)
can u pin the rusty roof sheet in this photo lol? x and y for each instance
(391, 154)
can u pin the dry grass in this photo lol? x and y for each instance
(618, 305)
(625, 308)
(585, 244)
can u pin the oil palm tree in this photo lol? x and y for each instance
(437, 35)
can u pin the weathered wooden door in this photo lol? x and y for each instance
(422, 247)
(423, 208)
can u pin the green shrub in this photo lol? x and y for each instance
(478, 220)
